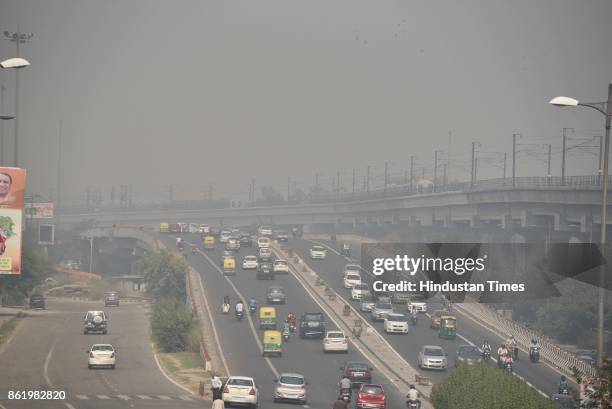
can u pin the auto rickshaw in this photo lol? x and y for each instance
(164, 228)
(229, 266)
(272, 343)
(209, 242)
(448, 327)
(267, 318)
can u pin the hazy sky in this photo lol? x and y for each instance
(156, 92)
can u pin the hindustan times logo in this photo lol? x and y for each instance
(411, 265)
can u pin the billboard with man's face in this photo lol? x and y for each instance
(12, 186)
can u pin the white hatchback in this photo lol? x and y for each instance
(359, 291)
(101, 355)
(240, 390)
(263, 242)
(281, 266)
(335, 341)
(250, 263)
(351, 280)
(396, 323)
(318, 252)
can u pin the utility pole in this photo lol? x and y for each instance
(599, 168)
(444, 180)
(435, 178)
(505, 156)
(17, 38)
(386, 175)
(473, 172)
(563, 154)
(288, 187)
(549, 154)
(368, 180)
(353, 181)
(2, 88)
(514, 136)
(338, 183)
(58, 202)
(411, 172)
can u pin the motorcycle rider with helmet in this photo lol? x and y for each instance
(413, 397)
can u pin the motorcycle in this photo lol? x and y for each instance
(486, 355)
(286, 335)
(239, 315)
(292, 328)
(534, 354)
(564, 390)
(414, 319)
(508, 367)
(252, 309)
(413, 404)
(225, 308)
(345, 395)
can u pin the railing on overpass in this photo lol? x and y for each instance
(592, 182)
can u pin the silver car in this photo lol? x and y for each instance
(290, 387)
(381, 310)
(432, 357)
(367, 303)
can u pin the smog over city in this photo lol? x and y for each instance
(264, 203)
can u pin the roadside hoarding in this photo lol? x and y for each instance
(12, 186)
(39, 210)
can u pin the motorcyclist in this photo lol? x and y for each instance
(239, 307)
(486, 347)
(563, 386)
(512, 345)
(291, 319)
(414, 314)
(286, 330)
(340, 404)
(252, 303)
(535, 344)
(413, 395)
(345, 385)
(178, 240)
(502, 352)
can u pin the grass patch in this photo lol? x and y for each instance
(7, 327)
(185, 368)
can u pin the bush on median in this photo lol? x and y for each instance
(486, 387)
(171, 324)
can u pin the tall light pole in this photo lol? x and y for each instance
(2, 89)
(563, 151)
(473, 172)
(17, 38)
(606, 109)
(514, 136)
(14, 63)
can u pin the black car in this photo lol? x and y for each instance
(111, 298)
(468, 354)
(37, 301)
(265, 272)
(246, 241)
(282, 236)
(276, 295)
(312, 325)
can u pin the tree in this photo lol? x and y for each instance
(164, 274)
(16, 288)
(171, 323)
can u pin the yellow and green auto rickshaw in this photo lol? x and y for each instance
(448, 327)
(164, 228)
(209, 242)
(267, 318)
(229, 266)
(272, 343)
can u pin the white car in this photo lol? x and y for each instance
(335, 341)
(240, 389)
(351, 279)
(318, 252)
(205, 228)
(281, 266)
(432, 357)
(263, 242)
(224, 236)
(416, 301)
(352, 268)
(396, 323)
(265, 231)
(265, 254)
(290, 387)
(101, 355)
(381, 310)
(250, 263)
(360, 291)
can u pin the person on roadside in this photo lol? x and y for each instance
(216, 384)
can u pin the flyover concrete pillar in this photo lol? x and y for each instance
(475, 222)
(586, 223)
(527, 219)
(560, 221)
(506, 221)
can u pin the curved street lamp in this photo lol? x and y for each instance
(606, 109)
(16, 63)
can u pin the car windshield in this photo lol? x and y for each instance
(361, 287)
(317, 248)
(374, 390)
(280, 262)
(384, 306)
(357, 366)
(397, 318)
(95, 314)
(469, 350)
(352, 267)
(313, 317)
(275, 290)
(239, 382)
(292, 380)
(355, 277)
(434, 352)
(335, 335)
(102, 348)
(250, 258)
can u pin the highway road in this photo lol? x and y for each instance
(331, 269)
(243, 355)
(48, 352)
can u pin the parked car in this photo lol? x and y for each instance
(240, 390)
(276, 295)
(335, 341)
(396, 323)
(432, 357)
(312, 325)
(468, 354)
(290, 387)
(371, 396)
(318, 252)
(101, 355)
(37, 301)
(95, 321)
(357, 372)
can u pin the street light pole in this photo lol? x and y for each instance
(2, 89)
(606, 109)
(563, 154)
(514, 136)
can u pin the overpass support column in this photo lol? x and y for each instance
(586, 223)
(475, 222)
(560, 221)
(527, 219)
(448, 222)
(506, 221)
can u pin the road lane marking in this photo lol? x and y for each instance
(82, 397)
(164, 397)
(46, 366)
(248, 315)
(123, 397)
(164, 373)
(186, 398)
(144, 397)
(103, 397)
(69, 406)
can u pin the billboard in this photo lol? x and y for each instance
(39, 210)
(12, 186)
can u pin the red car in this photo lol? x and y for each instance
(435, 318)
(371, 396)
